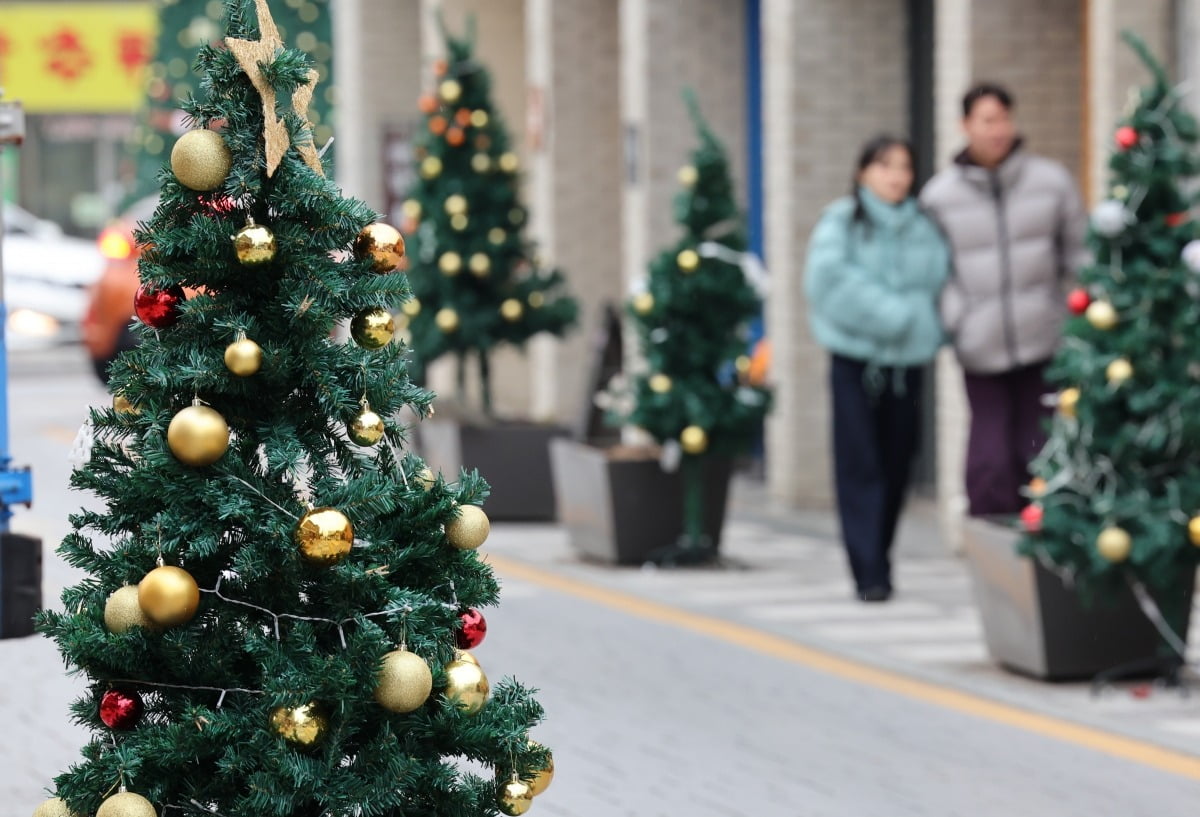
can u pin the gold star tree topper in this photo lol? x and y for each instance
(251, 54)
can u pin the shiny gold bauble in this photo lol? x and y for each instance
(382, 243)
(511, 310)
(688, 175)
(688, 260)
(431, 167)
(537, 300)
(1114, 544)
(243, 357)
(508, 162)
(411, 307)
(643, 303)
(481, 163)
(1119, 371)
(515, 797)
(459, 222)
(479, 118)
(126, 804)
(302, 726)
(254, 245)
(1193, 529)
(198, 436)
(324, 536)
(456, 203)
(122, 405)
(463, 655)
(424, 478)
(480, 264)
(469, 529)
(373, 328)
(694, 440)
(1068, 399)
(122, 612)
(497, 236)
(201, 160)
(168, 596)
(1101, 315)
(450, 90)
(466, 686)
(542, 779)
(660, 383)
(411, 209)
(450, 263)
(404, 681)
(366, 428)
(446, 320)
(54, 807)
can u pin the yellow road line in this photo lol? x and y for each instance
(1167, 760)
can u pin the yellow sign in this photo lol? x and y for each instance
(76, 57)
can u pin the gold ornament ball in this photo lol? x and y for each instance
(497, 236)
(122, 405)
(508, 162)
(122, 612)
(515, 797)
(411, 209)
(1068, 399)
(1119, 371)
(450, 263)
(373, 328)
(481, 163)
(446, 320)
(324, 536)
(243, 357)
(1193, 528)
(459, 222)
(694, 440)
(302, 726)
(404, 681)
(198, 436)
(201, 160)
(688, 260)
(126, 804)
(466, 685)
(537, 300)
(480, 265)
(469, 529)
(511, 310)
(742, 364)
(450, 90)
(383, 244)
(479, 118)
(541, 781)
(643, 303)
(1101, 315)
(1114, 544)
(54, 807)
(463, 655)
(660, 383)
(688, 175)
(456, 203)
(367, 428)
(169, 596)
(411, 308)
(431, 167)
(254, 245)
(424, 478)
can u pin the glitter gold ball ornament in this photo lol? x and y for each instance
(373, 328)
(126, 804)
(660, 383)
(511, 310)
(456, 204)
(480, 265)
(466, 685)
(479, 118)
(367, 427)
(201, 160)
(431, 167)
(243, 357)
(404, 681)
(541, 781)
(497, 235)
(54, 807)
(411, 308)
(254, 245)
(469, 529)
(481, 163)
(122, 405)
(688, 260)
(1068, 399)
(324, 536)
(198, 436)
(122, 612)
(169, 596)
(515, 797)
(450, 90)
(643, 303)
(1114, 544)
(694, 440)
(302, 726)
(1119, 371)
(537, 300)
(1193, 528)
(688, 175)
(1101, 315)
(459, 222)
(411, 209)
(450, 263)
(508, 162)
(446, 320)
(382, 243)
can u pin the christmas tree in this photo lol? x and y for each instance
(692, 320)
(279, 599)
(476, 281)
(1117, 487)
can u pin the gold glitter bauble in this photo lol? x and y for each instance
(541, 781)
(169, 596)
(694, 440)
(481, 163)
(424, 478)
(411, 209)
(479, 118)
(515, 797)
(480, 265)
(511, 310)
(367, 427)
(469, 529)
(404, 681)
(466, 685)
(302, 726)
(1119, 371)
(688, 175)
(660, 383)
(450, 90)
(1193, 528)
(1068, 399)
(54, 807)
(431, 167)
(1114, 544)
(373, 328)
(508, 162)
(446, 320)
(688, 260)
(243, 357)
(201, 160)
(122, 612)
(122, 405)
(459, 222)
(450, 263)
(382, 243)
(411, 307)
(126, 804)
(643, 303)
(1101, 315)
(455, 204)
(497, 235)
(254, 245)
(198, 436)
(537, 300)
(324, 536)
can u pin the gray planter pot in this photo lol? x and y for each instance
(1035, 625)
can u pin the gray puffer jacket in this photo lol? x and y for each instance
(1017, 239)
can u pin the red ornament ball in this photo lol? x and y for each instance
(1031, 518)
(158, 308)
(474, 628)
(1078, 301)
(1176, 219)
(1126, 137)
(120, 709)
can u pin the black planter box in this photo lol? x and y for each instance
(622, 511)
(20, 584)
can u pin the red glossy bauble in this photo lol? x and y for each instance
(1126, 137)
(1177, 219)
(1031, 518)
(1078, 301)
(158, 308)
(474, 628)
(120, 709)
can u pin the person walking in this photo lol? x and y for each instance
(1016, 227)
(876, 265)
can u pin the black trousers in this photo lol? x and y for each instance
(875, 433)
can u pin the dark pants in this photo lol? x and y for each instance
(874, 442)
(1007, 432)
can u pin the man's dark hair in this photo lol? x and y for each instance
(986, 89)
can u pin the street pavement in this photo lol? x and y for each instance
(757, 690)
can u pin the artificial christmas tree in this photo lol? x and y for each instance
(275, 589)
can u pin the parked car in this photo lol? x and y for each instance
(46, 280)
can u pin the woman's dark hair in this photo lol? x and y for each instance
(986, 89)
(872, 152)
